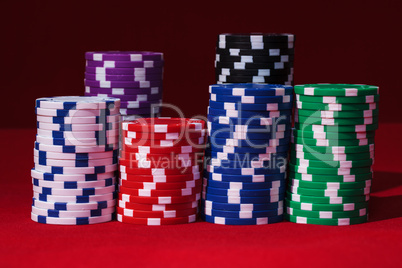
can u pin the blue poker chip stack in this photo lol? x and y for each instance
(135, 77)
(255, 58)
(249, 134)
(75, 156)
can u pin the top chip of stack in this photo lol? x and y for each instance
(135, 77)
(255, 58)
(75, 159)
(160, 168)
(332, 153)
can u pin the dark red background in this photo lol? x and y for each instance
(43, 45)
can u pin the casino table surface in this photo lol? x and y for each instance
(25, 243)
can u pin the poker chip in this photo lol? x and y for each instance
(135, 77)
(160, 170)
(326, 207)
(332, 154)
(252, 58)
(242, 207)
(246, 159)
(156, 221)
(75, 157)
(237, 221)
(71, 221)
(336, 222)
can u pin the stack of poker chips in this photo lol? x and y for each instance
(249, 136)
(255, 58)
(135, 77)
(75, 155)
(160, 171)
(332, 154)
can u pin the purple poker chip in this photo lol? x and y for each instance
(140, 111)
(123, 91)
(125, 64)
(139, 104)
(139, 97)
(125, 84)
(123, 55)
(109, 77)
(124, 71)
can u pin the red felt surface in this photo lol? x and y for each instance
(28, 244)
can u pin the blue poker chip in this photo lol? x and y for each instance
(245, 157)
(236, 221)
(246, 171)
(243, 178)
(249, 135)
(277, 127)
(252, 121)
(248, 114)
(242, 214)
(249, 150)
(240, 200)
(234, 164)
(251, 89)
(248, 142)
(250, 107)
(241, 207)
(245, 193)
(251, 99)
(244, 185)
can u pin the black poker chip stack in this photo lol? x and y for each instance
(255, 58)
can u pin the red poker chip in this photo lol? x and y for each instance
(160, 178)
(164, 150)
(164, 143)
(160, 193)
(161, 185)
(192, 135)
(179, 164)
(160, 157)
(156, 207)
(157, 221)
(156, 214)
(159, 200)
(164, 125)
(160, 171)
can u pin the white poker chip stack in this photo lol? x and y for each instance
(75, 156)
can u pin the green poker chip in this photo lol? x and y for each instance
(330, 185)
(327, 200)
(330, 178)
(345, 90)
(320, 142)
(335, 106)
(332, 149)
(336, 114)
(336, 121)
(329, 192)
(342, 100)
(326, 214)
(326, 207)
(332, 157)
(328, 171)
(330, 164)
(333, 135)
(334, 222)
(336, 129)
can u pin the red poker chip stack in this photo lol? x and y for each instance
(160, 170)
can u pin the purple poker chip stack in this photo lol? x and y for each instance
(135, 77)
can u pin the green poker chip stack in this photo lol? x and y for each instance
(332, 153)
